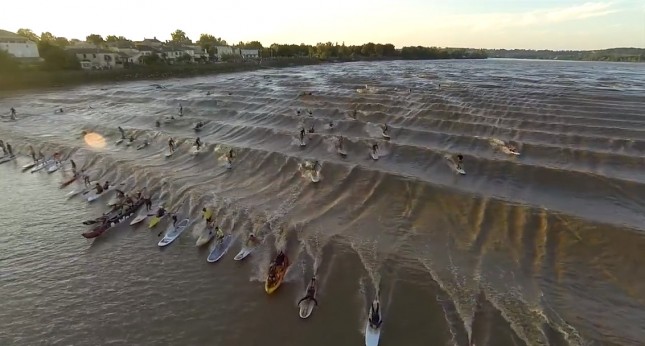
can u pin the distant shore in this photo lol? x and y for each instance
(28, 80)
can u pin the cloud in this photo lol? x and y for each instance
(506, 20)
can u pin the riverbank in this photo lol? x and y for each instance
(34, 79)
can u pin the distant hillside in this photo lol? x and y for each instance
(613, 54)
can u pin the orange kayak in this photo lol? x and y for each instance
(276, 275)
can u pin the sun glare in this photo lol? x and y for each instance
(95, 140)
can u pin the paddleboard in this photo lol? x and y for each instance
(374, 155)
(53, 168)
(246, 250)
(39, 166)
(302, 143)
(169, 154)
(119, 141)
(205, 237)
(221, 248)
(94, 196)
(27, 166)
(173, 232)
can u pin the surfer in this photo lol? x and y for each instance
(32, 153)
(199, 125)
(298, 112)
(374, 149)
(460, 161)
(73, 166)
(302, 135)
(131, 138)
(99, 188)
(181, 110)
(4, 148)
(148, 202)
(207, 214)
(331, 124)
(279, 260)
(354, 114)
(218, 233)
(198, 143)
(106, 185)
(171, 144)
(157, 123)
(10, 150)
(13, 113)
(375, 314)
(161, 211)
(252, 240)
(174, 220)
(341, 141)
(122, 132)
(385, 128)
(311, 292)
(311, 129)
(230, 155)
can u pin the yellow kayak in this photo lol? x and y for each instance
(154, 221)
(273, 283)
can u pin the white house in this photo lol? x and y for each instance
(97, 58)
(250, 53)
(17, 45)
(226, 50)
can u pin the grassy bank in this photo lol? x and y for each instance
(24, 80)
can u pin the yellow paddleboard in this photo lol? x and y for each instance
(154, 221)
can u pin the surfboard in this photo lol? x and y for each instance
(302, 143)
(141, 146)
(53, 168)
(173, 232)
(374, 155)
(119, 141)
(169, 154)
(307, 306)
(196, 151)
(228, 165)
(27, 166)
(341, 152)
(508, 151)
(385, 135)
(245, 251)
(372, 335)
(139, 218)
(128, 143)
(220, 248)
(453, 165)
(315, 177)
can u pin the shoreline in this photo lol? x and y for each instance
(39, 80)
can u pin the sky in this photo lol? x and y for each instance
(522, 24)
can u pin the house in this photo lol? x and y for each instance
(98, 58)
(250, 53)
(151, 42)
(18, 46)
(221, 51)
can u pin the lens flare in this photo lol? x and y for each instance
(94, 140)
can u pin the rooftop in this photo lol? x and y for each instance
(10, 35)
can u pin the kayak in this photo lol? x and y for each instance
(205, 237)
(155, 220)
(307, 306)
(279, 272)
(221, 248)
(372, 332)
(173, 232)
(113, 221)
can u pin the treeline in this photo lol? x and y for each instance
(613, 54)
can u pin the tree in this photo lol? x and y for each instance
(95, 39)
(28, 34)
(208, 42)
(151, 59)
(8, 63)
(114, 38)
(47, 36)
(250, 45)
(186, 58)
(56, 58)
(61, 41)
(179, 36)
